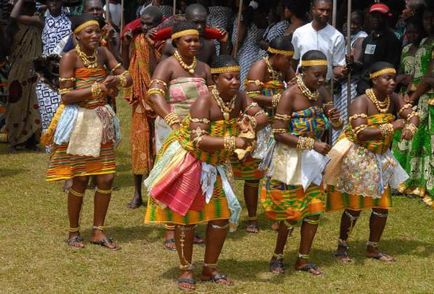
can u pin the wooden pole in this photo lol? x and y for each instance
(349, 7)
(107, 11)
(240, 10)
(174, 7)
(335, 4)
(122, 22)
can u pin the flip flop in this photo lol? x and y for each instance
(107, 243)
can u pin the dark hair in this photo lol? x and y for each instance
(80, 19)
(182, 26)
(195, 8)
(154, 12)
(359, 14)
(315, 2)
(297, 7)
(281, 43)
(313, 55)
(224, 60)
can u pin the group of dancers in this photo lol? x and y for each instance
(272, 136)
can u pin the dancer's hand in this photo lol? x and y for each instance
(321, 147)
(398, 124)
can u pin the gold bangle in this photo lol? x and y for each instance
(386, 129)
(411, 127)
(337, 124)
(65, 90)
(283, 117)
(71, 79)
(404, 107)
(158, 82)
(260, 112)
(275, 100)
(116, 67)
(356, 116)
(253, 94)
(154, 91)
(250, 106)
(258, 83)
(123, 79)
(305, 143)
(172, 119)
(229, 144)
(279, 131)
(359, 129)
(200, 120)
(411, 115)
(96, 90)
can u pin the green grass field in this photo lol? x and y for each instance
(35, 259)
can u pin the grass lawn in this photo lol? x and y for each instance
(34, 258)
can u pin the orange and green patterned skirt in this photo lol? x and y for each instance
(337, 200)
(291, 203)
(65, 166)
(246, 170)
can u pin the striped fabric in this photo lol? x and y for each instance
(310, 122)
(374, 121)
(286, 202)
(66, 166)
(217, 208)
(183, 92)
(337, 200)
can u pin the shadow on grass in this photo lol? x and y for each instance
(10, 172)
(129, 234)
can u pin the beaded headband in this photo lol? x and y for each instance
(185, 33)
(278, 51)
(314, 62)
(383, 71)
(85, 25)
(225, 69)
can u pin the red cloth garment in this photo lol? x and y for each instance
(180, 190)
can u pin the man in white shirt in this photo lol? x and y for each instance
(319, 35)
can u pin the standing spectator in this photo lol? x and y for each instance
(248, 35)
(141, 58)
(380, 45)
(22, 116)
(115, 12)
(277, 27)
(319, 35)
(220, 16)
(56, 27)
(295, 11)
(356, 41)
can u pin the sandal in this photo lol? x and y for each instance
(189, 284)
(382, 257)
(198, 240)
(170, 244)
(75, 241)
(276, 265)
(342, 252)
(217, 278)
(134, 203)
(107, 243)
(252, 226)
(310, 268)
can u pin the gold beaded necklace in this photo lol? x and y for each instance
(274, 75)
(189, 68)
(382, 106)
(225, 108)
(88, 61)
(313, 96)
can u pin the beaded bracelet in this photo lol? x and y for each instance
(359, 129)
(356, 116)
(278, 131)
(275, 100)
(200, 120)
(198, 134)
(253, 94)
(411, 127)
(412, 114)
(404, 107)
(96, 90)
(305, 143)
(71, 79)
(123, 79)
(159, 82)
(229, 144)
(250, 106)
(386, 129)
